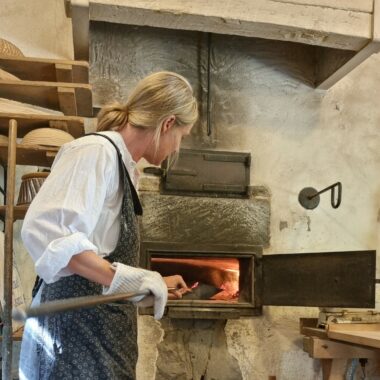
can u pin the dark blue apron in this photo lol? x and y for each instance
(98, 343)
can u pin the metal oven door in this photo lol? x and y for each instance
(233, 281)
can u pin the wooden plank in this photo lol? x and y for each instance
(26, 123)
(39, 69)
(18, 212)
(328, 349)
(348, 5)
(365, 334)
(286, 21)
(45, 94)
(30, 155)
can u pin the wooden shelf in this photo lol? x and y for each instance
(26, 123)
(50, 70)
(71, 99)
(16, 336)
(30, 155)
(18, 212)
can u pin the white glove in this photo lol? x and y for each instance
(129, 279)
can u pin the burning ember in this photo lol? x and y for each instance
(213, 279)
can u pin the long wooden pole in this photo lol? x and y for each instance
(8, 253)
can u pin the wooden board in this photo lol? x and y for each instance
(18, 212)
(308, 326)
(16, 336)
(30, 155)
(37, 69)
(26, 123)
(330, 26)
(49, 95)
(365, 334)
(329, 349)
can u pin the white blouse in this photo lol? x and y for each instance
(78, 207)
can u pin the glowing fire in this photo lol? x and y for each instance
(209, 278)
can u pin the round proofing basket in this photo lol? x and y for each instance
(46, 137)
(4, 139)
(30, 185)
(7, 48)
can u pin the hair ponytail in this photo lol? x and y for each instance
(112, 117)
(154, 98)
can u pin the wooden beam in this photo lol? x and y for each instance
(370, 48)
(78, 10)
(348, 5)
(287, 21)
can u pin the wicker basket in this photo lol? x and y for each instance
(47, 137)
(30, 185)
(9, 49)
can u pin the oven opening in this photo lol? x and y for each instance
(216, 280)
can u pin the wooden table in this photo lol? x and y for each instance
(338, 343)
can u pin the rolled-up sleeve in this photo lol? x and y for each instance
(63, 215)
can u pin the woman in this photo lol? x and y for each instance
(82, 233)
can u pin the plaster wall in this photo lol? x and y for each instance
(263, 103)
(39, 28)
(297, 137)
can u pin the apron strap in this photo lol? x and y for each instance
(135, 198)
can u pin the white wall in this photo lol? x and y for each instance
(38, 27)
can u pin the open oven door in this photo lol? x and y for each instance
(328, 279)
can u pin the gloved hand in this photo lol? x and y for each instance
(129, 279)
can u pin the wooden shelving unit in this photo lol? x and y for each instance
(55, 84)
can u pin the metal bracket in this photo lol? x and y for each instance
(309, 197)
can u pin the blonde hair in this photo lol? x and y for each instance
(154, 99)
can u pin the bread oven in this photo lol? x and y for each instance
(233, 281)
(222, 278)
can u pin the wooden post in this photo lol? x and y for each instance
(8, 252)
(64, 72)
(67, 101)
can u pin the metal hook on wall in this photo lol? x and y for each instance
(309, 197)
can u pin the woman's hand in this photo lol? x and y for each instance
(176, 286)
